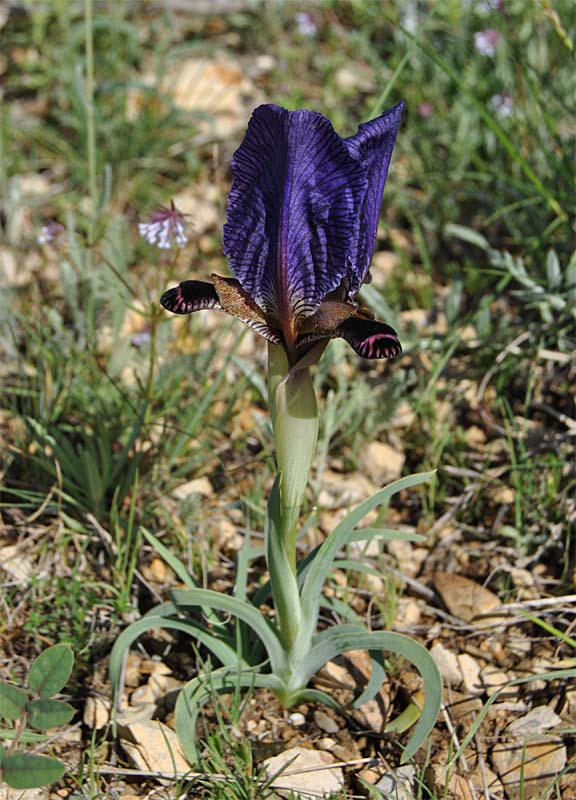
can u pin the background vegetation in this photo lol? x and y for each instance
(109, 407)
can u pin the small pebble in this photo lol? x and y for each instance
(297, 720)
(325, 722)
(326, 743)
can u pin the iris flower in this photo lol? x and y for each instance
(300, 231)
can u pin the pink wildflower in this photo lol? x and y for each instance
(50, 231)
(487, 42)
(503, 104)
(305, 24)
(165, 227)
(425, 110)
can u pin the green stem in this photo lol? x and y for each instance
(90, 119)
(294, 414)
(151, 367)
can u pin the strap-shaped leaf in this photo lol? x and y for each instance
(378, 672)
(199, 690)
(377, 678)
(184, 598)
(385, 534)
(223, 651)
(322, 564)
(336, 641)
(315, 696)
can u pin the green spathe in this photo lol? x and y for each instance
(294, 413)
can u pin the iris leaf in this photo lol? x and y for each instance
(322, 563)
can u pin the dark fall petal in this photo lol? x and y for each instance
(191, 296)
(292, 210)
(370, 339)
(372, 145)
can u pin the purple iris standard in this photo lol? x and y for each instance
(300, 231)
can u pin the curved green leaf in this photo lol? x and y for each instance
(348, 565)
(12, 701)
(185, 598)
(45, 714)
(199, 690)
(22, 771)
(341, 609)
(322, 563)
(377, 678)
(385, 534)
(315, 696)
(50, 671)
(162, 610)
(336, 641)
(223, 651)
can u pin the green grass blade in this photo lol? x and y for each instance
(553, 675)
(551, 629)
(174, 563)
(493, 125)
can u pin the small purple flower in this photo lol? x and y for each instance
(490, 6)
(141, 338)
(166, 226)
(425, 110)
(305, 24)
(503, 104)
(301, 227)
(50, 231)
(487, 42)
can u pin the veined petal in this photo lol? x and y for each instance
(191, 296)
(370, 338)
(237, 302)
(292, 211)
(372, 145)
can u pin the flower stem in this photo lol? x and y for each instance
(294, 414)
(90, 120)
